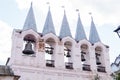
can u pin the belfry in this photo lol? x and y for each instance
(47, 56)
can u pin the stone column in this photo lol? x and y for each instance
(59, 55)
(92, 59)
(76, 57)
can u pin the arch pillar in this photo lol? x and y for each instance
(92, 59)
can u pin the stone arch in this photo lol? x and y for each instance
(50, 36)
(99, 58)
(29, 44)
(29, 37)
(68, 54)
(85, 56)
(50, 52)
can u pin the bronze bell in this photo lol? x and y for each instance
(51, 51)
(98, 60)
(82, 57)
(47, 51)
(68, 54)
(28, 48)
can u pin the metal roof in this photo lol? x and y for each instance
(80, 33)
(93, 36)
(30, 22)
(65, 30)
(6, 70)
(48, 26)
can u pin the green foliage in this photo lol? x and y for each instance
(97, 77)
(118, 76)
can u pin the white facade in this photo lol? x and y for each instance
(45, 56)
(33, 67)
(8, 78)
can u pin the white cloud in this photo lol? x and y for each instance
(103, 11)
(5, 41)
(23, 3)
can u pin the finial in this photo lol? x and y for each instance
(48, 3)
(77, 10)
(31, 3)
(91, 15)
(63, 8)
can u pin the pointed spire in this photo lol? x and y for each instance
(80, 33)
(65, 30)
(48, 26)
(30, 22)
(93, 37)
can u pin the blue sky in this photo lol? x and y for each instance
(105, 14)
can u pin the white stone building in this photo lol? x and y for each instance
(46, 56)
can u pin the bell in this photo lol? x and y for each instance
(51, 51)
(68, 54)
(28, 48)
(98, 60)
(47, 51)
(82, 57)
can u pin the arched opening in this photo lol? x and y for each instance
(49, 52)
(85, 58)
(29, 44)
(68, 55)
(99, 59)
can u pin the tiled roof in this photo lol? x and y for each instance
(6, 70)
